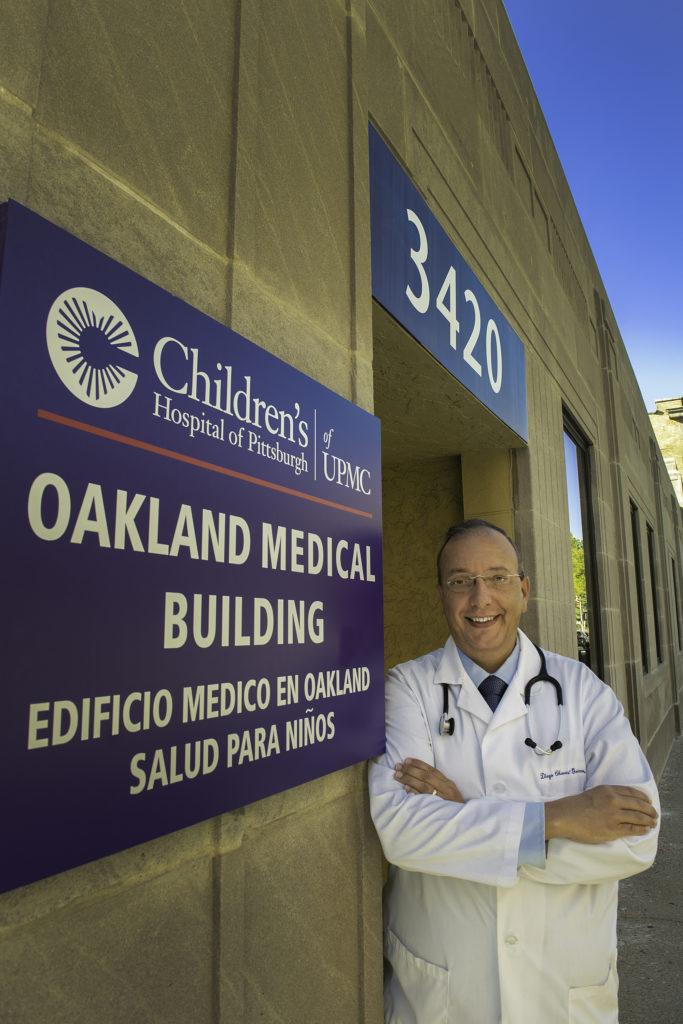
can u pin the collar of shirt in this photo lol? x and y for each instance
(478, 674)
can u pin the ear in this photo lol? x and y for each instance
(526, 590)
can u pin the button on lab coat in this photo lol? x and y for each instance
(470, 937)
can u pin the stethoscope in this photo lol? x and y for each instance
(447, 725)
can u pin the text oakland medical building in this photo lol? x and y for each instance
(368, 190)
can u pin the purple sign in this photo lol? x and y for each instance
(191, 585)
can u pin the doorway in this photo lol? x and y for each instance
(445, 458)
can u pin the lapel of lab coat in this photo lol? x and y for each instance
(512, 705)
(468, 698)
(464, 694)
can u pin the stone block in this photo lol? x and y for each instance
(144, 955)
(230, 830)
(359, 199)
(260, 314)
(302, 960)
(421, 500)
(513, 55)
(241, 994)
(386, 100)
(103, 878)
(229, 908)
(444, 161)
(302, 798)
(16, 131)
(439, 65)
(362, 384)
(293, 177)
(146, 91)
(398, 19)
(75, 194)
(21, 46)
(372, 880)
(487, 487)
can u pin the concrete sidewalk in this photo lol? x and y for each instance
(650, 990)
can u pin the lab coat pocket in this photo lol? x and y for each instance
(596, 1004)
(416, 990)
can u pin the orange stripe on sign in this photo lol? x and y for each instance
(133, 442)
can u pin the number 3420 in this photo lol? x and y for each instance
(446, 305)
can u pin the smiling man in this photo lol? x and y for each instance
(506, 823)
(483, 592)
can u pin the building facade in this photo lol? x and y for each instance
(220, 149)
(667, 423)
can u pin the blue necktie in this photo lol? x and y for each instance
(492, 690)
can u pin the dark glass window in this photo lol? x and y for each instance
(677, 605)
(577, 467)
(653, 585)
(638, 569)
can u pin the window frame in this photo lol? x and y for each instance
(584, 463)
(652, 559)
(640, 597)
(677, 604)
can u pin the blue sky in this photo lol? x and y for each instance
(609, 78)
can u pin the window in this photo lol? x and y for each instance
(653, 585)
(677, 605)
(577, 467)
(638, 569)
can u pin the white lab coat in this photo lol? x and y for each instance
(470, 938)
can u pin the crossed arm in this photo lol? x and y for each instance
(606, 832)
(595, 816)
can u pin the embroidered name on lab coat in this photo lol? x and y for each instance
(562, 771)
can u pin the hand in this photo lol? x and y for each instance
(419, 777)
(600, 815)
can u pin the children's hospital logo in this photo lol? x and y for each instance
(92, 347)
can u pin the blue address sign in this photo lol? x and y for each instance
(422, 280)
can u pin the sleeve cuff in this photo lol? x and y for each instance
(532, 842)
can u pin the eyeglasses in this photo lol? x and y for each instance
(496, 581)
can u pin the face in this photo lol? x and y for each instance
(483, 622)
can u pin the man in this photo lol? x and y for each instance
(502, 897)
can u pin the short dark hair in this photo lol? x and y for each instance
(472, 526)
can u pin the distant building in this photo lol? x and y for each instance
(667, 423)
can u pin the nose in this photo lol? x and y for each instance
(480, 591)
